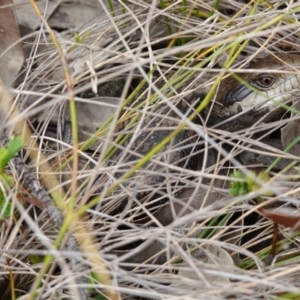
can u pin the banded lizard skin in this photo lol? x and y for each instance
(237, 105)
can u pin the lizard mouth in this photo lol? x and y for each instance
(238, 94)
(243, 98)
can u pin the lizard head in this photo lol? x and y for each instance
(270, 81)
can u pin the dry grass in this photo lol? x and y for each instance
(150, 246)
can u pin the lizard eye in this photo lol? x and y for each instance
(264, 81)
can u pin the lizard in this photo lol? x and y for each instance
(237, 106)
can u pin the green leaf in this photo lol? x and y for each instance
(251, 179)
(6, 154)
(99, 297)
(9, 180)
(238, 188)
(36, 259)
(94, 294)
(249, 183)
(14, 145)
(5, 208)
(4, 158)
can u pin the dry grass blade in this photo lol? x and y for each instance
(148, 180)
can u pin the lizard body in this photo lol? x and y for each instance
(236, 106)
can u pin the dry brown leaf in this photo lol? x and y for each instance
(73, 15)
(287, 220)
(28, 18)
(11, 52)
